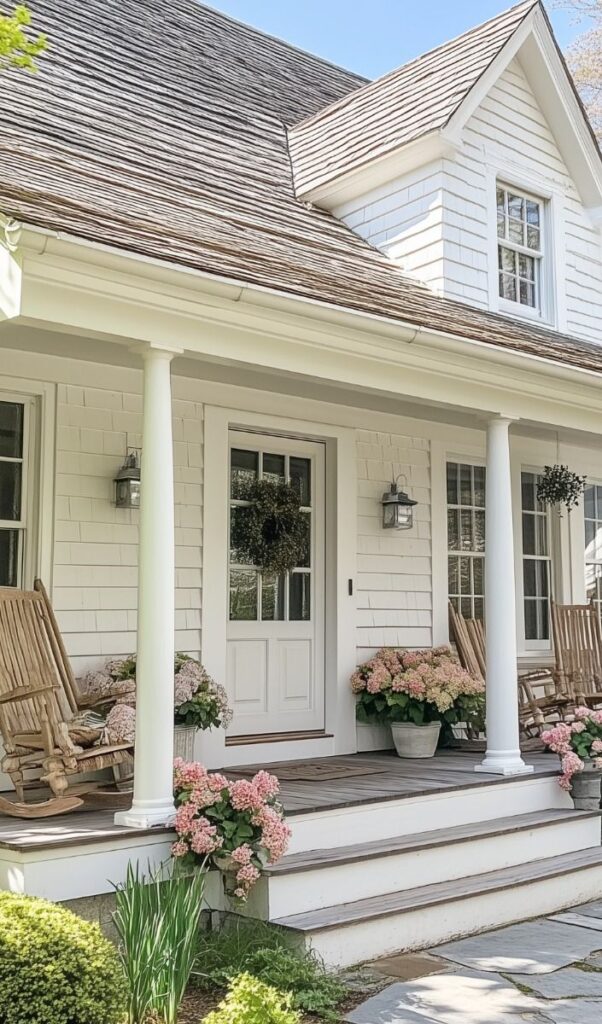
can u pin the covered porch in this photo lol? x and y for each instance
(189, 371)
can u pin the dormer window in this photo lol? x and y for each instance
(520, 249)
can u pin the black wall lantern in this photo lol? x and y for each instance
(127, 482)
(398, 508)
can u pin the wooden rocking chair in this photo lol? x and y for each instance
(535, 707)
(38, 701)
(578, 650)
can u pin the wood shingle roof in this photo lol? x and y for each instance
(398, 108)
(161, 130)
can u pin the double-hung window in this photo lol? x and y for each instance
(592, 509)
(466, 538)
(15, 432)
(520, 249)
(537, 560)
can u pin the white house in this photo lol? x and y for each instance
(303, 274)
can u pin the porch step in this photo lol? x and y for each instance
(323, 878)
(411, 919)
(487, 799)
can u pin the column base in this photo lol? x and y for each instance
(503, 764)
(145, 817)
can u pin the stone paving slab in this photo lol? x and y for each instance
(567, 983)
(583, 921)
(570, 1011)
(534, 947)
(589, 909)
(467, 997)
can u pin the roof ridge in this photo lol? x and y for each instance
(377, 82)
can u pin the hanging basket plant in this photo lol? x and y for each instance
(271, 532)
(560, 486)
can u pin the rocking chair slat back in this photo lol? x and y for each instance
(27, 660)
(578, 647)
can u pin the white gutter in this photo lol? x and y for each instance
(243, 288)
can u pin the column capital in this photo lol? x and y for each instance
(159, 350)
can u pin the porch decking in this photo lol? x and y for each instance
(391, 778)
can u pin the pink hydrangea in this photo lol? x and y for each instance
(188, 773)
(242, 854)
(180, 848)
(120, 726)
(244, 795)
(266, 785)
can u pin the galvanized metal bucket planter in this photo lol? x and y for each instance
(415, 740)
(586, 787)
(183, 741)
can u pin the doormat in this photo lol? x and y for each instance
(311, 771)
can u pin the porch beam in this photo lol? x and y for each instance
(503, 755)
(153, 754)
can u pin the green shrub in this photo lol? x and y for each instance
(56, 968)
(266, 952)
(251, 1001)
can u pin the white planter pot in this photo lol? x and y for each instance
(415, 740)
(183, 741)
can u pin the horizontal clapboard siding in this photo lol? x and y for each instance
(394, 567)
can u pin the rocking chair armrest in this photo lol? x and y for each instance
(25, 693)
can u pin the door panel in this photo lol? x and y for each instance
(275, 663)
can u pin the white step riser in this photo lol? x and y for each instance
(426, 927)
(389, 818)
(328, 886)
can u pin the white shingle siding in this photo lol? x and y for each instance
(435, 221)
(394, 567)
(96, 544)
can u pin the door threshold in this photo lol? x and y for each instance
(277, 737)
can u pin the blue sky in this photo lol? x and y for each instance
(373, 36)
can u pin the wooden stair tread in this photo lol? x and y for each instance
(442, 892)
(330, 857)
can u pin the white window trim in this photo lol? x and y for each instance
(553, 303)
(38, 493)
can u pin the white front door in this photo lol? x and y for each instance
(275, 635)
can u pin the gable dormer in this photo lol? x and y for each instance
(475, 168)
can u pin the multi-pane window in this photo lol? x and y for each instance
(519, 232)
(592, 509)
(261, 596)
(466, 538)
(13, 477)
(536, 560)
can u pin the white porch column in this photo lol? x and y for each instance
(153, 755)
(503, 751)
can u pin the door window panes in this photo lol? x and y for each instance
(592, 508)
(12, 491)
(243, 472)
(536, 560)
(466, 538)
(299, 602)
(258, 596)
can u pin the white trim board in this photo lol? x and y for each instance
(341, 566)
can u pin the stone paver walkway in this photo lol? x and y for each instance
(547, 971)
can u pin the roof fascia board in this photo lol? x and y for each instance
(144, 299)
(362, 180)
(534, 46)
(483, 86)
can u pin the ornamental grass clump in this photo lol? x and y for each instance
(423, 686)
(576, 742)
(56, 968)
(157, 920)
(237, 825)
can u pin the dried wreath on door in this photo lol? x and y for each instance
(271, 531)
